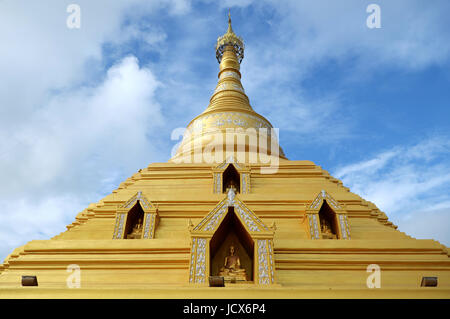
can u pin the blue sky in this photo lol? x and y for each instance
(83, 109)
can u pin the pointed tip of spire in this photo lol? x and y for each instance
(229, 38)
(230, 29)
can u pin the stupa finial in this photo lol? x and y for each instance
(230, 38)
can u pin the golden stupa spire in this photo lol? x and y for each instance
(229, 107)
(230, 38)
(229, 92)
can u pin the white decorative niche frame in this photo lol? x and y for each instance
(244, 176)
(340, 216)
(261, 235)
(151, 217)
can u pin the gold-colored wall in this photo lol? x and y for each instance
(159, 267)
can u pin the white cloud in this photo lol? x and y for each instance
(144, 32)
(22, 219)
(70, 132)
(179, 7)
(43, 55)
(370, 166)
(108, 122)
(73, 147)
(408, 183)
(304, 34)
(412, 34)
(234, 3)
(429, 224)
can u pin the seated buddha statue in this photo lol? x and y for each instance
(136, 232)
(326, 231)
(232, 271)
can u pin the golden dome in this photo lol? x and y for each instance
(228, 111)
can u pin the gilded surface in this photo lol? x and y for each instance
(229, 108)
(232, 270)
(291, 261)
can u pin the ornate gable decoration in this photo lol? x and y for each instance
(262, 236)
(244, 173)
(145, 203)
(229, 160)
(249, 220)
(151, 217)
(312, 212)
(323, 195)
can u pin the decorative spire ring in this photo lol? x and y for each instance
(230, 38)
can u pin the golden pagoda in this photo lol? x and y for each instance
(229, 216)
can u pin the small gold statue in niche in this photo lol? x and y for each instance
(232, 271)
(136, 232)
(231, 185)
(325, 228)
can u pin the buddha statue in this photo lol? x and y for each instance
(231, 194)
(231, 185)
(325, 228)
(232, 271)
(136, 232)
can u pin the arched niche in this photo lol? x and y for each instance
(137, 217)
(231, 171)
(329, 227)
(231, 178)
(231, 220)
(231, 232)
(135, 221)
